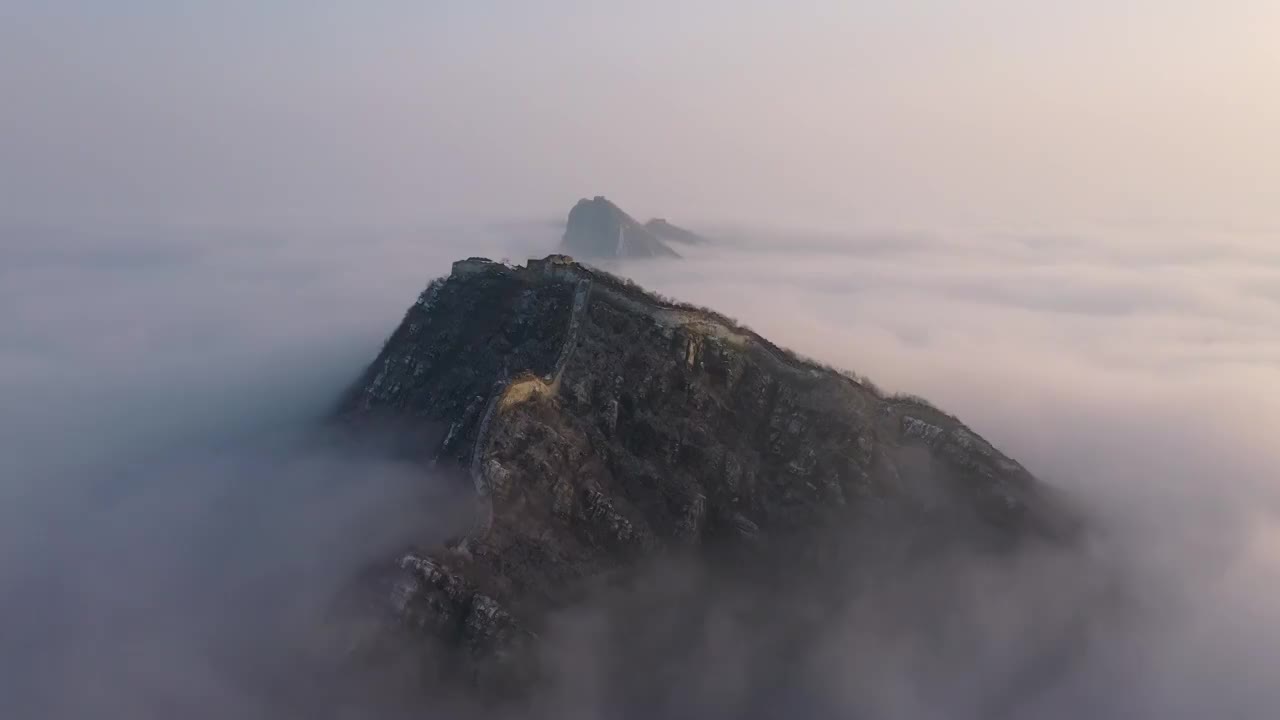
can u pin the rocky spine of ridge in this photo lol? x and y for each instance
(602, 425)
(664, 230)
(598, 229)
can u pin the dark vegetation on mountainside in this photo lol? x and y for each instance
(609, 432)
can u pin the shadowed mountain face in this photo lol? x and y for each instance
(664, 230)
(599, 229)
(605, 428)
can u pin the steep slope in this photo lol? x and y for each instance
(602, 425)
(664, 230)
(598, 229)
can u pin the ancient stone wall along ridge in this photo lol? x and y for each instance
(482, 435)
(500, 390)
(564, 269)
(571, 339)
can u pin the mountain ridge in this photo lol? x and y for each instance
(665, 230)
(601, 425)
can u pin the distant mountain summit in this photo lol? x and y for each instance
(599, 229)
(664, 230)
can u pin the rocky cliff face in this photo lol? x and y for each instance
(598, 229)
(602, 426)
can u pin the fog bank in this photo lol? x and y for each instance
(174, 530)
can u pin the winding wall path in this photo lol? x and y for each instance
(503, 389)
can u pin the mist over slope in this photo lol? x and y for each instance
(1136, 367)
(170, 524)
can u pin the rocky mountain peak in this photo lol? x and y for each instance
(603, 426)
(597, 229)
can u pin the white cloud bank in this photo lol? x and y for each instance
(163, 509)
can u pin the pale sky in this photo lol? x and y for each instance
(826, 112)
(159, 488)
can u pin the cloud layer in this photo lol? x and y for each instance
(170, 525)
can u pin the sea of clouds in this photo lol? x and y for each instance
(170, 520)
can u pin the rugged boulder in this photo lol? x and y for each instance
(598, 229)
(603, 426)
